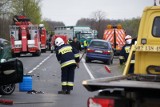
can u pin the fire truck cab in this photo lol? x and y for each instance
(64, 37)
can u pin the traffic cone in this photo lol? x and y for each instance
(107, 69)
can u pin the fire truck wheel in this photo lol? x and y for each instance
(43, 50)
(17, 54)
(87, 60)
(7, 89)
(38, 53)
(13, 55)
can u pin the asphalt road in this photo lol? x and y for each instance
(46, 77)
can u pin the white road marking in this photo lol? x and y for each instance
(89, 72)
(39, 64)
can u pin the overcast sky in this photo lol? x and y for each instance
(69, 11)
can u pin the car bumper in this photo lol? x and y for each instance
(101, 57)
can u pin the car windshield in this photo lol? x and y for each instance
(87, 36)
(5, 49)
(99, 44)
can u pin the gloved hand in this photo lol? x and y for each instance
(77, 65)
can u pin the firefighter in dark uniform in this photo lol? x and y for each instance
(125, 50)
(76, 44)
(68, 58)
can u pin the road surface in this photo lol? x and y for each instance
(46, 78)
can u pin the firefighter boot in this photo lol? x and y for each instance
(62, 92)
(68, 92)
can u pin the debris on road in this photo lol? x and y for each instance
(107, 69)
(35, 92)
(11, 102)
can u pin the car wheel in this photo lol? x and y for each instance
(87, 60)
(43, 50)
(112, 61)
(37, 53)
(7, 89)
(109, 62)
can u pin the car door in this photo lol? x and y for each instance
(11, 70)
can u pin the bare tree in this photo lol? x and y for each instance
(5, 8)
(99, 17)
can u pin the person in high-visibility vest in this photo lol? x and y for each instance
(68, 58)
(85, 44)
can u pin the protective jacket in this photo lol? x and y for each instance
(76, 45)
(67, 55)
(124, 53)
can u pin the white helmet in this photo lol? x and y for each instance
(59, 41)
(128, 39)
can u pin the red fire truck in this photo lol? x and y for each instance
(64, 37)
(24, 37)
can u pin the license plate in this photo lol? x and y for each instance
(148, 48)
(98, 51)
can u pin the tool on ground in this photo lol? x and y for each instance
(107, 69)
(35, 92)
(11, 102)
(6, 102)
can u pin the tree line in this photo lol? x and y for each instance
(29, 8)
(32, 9)
(99, 22)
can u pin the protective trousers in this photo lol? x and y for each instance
(67, 77)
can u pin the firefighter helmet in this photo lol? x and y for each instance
(128, 39)
(59, 41)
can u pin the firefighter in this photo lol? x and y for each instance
(68, 58)
(125, 50)
(76, 44)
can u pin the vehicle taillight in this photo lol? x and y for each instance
(107, 52)
(100, 102)
(90, 50)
